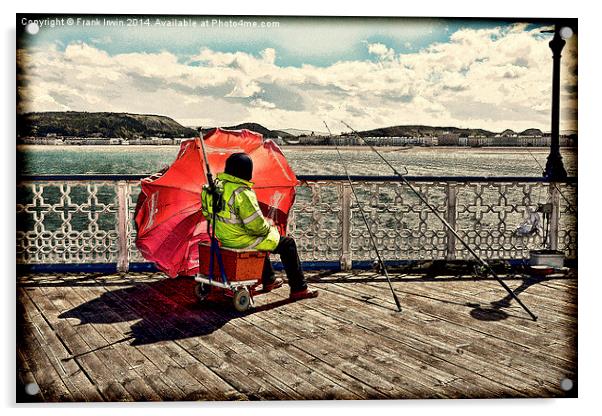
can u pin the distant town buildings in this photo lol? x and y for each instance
(53, 139)
(506, 139)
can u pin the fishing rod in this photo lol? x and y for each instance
(380, 260)
(210, 183)
(208, 173)
(216, 204)
(569, 205)
(446, 224)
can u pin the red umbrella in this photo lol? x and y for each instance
(168, 213)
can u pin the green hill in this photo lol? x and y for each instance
(84, 124)
(532, 132)
(257, 128)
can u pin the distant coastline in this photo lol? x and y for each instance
(91, 129)
(310, 148)
(317, 143)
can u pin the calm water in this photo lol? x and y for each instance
(37, 159)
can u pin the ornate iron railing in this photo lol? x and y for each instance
(88, 219)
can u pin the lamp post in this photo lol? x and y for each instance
(554, 167)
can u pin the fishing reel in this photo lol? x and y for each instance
(377, 266)
(544, 208)
(216, 191)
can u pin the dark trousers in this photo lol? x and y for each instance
(287, 249)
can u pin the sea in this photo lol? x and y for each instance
(309, 160)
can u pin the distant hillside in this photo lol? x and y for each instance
(257, 128)
(84, 124)
(299, 132)
(532, 132)
(416, 131)
(508, 132)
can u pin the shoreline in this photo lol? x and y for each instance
(312, 148)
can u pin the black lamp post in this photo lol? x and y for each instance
(554, 167)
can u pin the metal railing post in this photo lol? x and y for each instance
(555, 216)
(345, 259)
(122, 227)
(451, 191)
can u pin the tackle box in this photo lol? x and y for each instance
(239, 264)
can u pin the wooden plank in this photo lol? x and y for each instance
(446, 339)
(522, 332)
(234, 349)
(166, 324)
(360, 351)
(166, 357)
(25, 377)
(445, 292)
(51, 386)
(286, 339)
(530, 332)
(454, 302)
(109, 352)
(348, 341)
(196, 380)
(305, 329)
(309, 384)
(345, 344)
(274, 323)
(561, 304)
(431, 373)
(109, 388)
(282, 366)
(511, 355)
(382, 357)
(80, 386)
(470, 286)
(116, 331)
(398, 328)
(432, 376)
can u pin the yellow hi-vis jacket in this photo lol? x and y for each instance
(239, 221)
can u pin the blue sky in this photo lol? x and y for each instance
(311, 40)
(490, 74)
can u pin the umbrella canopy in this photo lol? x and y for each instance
(168, 213)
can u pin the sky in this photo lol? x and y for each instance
(295, 72)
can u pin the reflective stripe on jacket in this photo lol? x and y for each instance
(239, 221)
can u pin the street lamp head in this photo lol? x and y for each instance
(566, 32)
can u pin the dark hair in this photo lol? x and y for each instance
(239, 165)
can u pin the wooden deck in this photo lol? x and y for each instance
(141, 337)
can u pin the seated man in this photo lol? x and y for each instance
(240, 224)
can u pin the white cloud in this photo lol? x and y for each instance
(490, 78)
(381, 51)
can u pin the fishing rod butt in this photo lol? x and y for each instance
(397, 302)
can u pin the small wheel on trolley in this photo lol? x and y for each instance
(201, 291)
(242, 299)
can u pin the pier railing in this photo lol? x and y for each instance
(86, 221)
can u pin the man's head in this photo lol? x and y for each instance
(239, 165)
